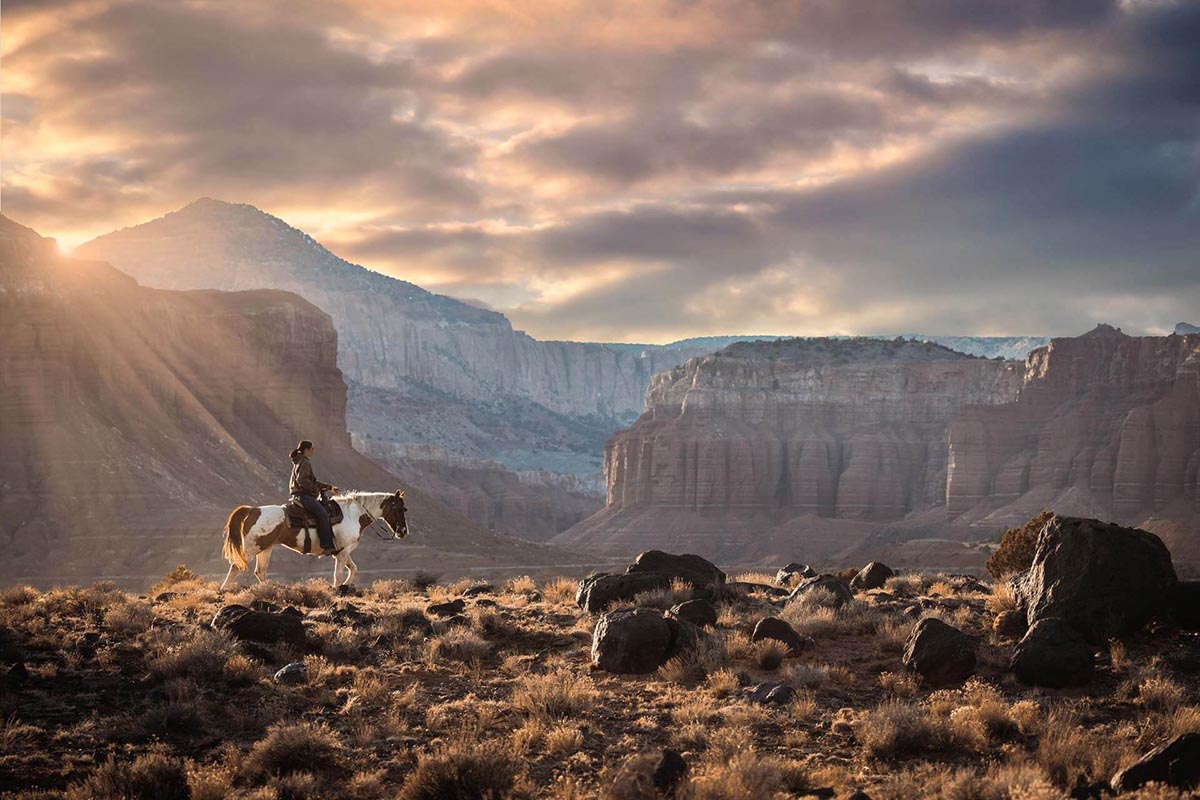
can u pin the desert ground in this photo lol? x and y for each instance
(437, 688)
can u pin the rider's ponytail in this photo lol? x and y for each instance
(300, 448)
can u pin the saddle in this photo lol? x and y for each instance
(298, 516)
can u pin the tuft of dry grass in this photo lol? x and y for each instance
(554, 696)
(901, 684)
(768, 654)
(457, 644)
(463, 769)
(149, 776)
(1002, 598)
(294, 747)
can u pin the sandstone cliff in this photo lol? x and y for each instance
(805, 448)
(1105, 420)
(134, 419)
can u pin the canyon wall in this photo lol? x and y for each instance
(134, 419)
(809, 447)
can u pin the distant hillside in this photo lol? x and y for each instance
(134, 419)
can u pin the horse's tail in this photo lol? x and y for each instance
(233, 549)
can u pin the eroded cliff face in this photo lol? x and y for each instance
(850, 428)
(134, 419)
(1105, 420)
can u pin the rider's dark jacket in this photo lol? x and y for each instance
(303, 481)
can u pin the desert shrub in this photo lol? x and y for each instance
(202, 657)
(423, 579)
(900, 684)
(563, 739)
(560, 590)
(896, 729)
(1017, 546)
(293, 747)
(769, 654)
(554, 696)
(461, 769)
(210, 782)
(750, 776)
(169, 719)
(1160, 694)
(723, 682)
(1066, 751)
(15, 596)
(129, 619)
(149, 777)
(312, 593)
(457, 644)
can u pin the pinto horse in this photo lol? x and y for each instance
(251, 532)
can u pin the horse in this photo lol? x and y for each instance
(251, 532)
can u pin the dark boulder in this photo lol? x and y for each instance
(771, 694)
(1185, 605)
(448, 609)
(631, 641)
(872, 576)
(780, 631)
(350, 615)
(668, 772)
(478, 589)
(837, 589)
(1053, 654)
(699, 573)
(293, 674)
(598, 592)
(1175, 763)
(684, 637)
(1105, 580)
(792, 572)
(700, 613)
(260, 626)
(940, 653)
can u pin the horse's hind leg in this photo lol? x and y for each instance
(337, 565)
(352, 568)
(260, 565)
(232, 571)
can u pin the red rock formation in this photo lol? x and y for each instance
(1112, 419)
(134, 419)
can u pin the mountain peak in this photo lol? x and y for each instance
(1104, 329)
(1185, 328)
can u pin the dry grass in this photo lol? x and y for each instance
(505, 702)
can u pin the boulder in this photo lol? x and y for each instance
(1175, 763)
(293, 674)
(1009, 624)
(1185, 605)
(260, 626)
(448, 609)
(631, 641)
(780, 631)
(699, 573)
(872, 576)
(771, 694)
(787, 574)
(478, 589)
(1105, 580)
(1053, 654)
(940, 653)
(684, 636)
(700, 613)
(598, 592)
(837, 588)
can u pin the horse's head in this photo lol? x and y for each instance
(393, 510)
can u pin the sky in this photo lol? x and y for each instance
(653, 169)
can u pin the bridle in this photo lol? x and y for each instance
(395, 537)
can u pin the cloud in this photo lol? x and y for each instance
(651, 170)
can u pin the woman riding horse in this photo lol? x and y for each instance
(306, 490)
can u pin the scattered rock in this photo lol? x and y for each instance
(478, 589)
(777, 694)
(348, 590)
(913, 612)
(18, 672)
(260, 626)
(598, 592)
(779, 630)
(293, 674)
(1175, 763)
(447, 609)
(940, 653)
(1009, 624)
(837, 588)
(349, 614)
(786, 575)
(700, 573)
(256, 651)
(872, 576)
(1105, 580)
(631, 641)
(1053, 654)
(1185, 605)
(164, 597)
(670, 770)
(485, 602)
(700, 613)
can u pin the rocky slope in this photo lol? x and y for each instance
(817, 445)
(134, 419)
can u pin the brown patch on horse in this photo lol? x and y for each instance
(280, 534)
(363, 521)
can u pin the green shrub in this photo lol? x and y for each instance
(1017, 546)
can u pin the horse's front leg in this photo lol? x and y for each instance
(337, 565)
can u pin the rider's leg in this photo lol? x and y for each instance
(324, 529)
